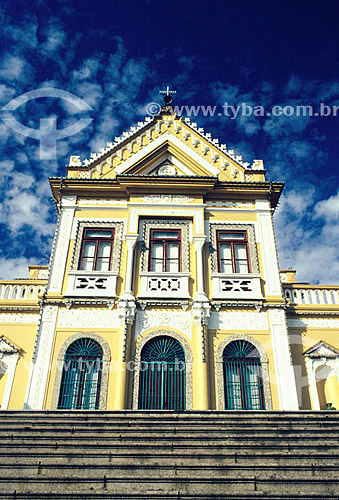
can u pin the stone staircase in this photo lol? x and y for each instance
(133, 455)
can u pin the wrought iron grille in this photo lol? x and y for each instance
(243, 384)
(81, 376)
(162, 375)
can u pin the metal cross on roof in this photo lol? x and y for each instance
(167, 91)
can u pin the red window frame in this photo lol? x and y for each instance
(165, 242)
(97, 240)
(232, 243)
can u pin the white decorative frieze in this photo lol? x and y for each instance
(42, 354)
(88, 318)
(19, 318)
(229, 204)
(247, 320)
(312, 323)
(101, 201)
(176, 319)
(166, 199)
(236, 286)
(164, 285)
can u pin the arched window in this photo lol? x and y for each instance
(81, 376)
(243, 382)
(162, 375)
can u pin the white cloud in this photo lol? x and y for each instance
(329, 209)
(15, 68)
(11, 268)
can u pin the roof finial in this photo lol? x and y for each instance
(168, 95)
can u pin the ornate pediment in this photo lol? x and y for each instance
(6, 347)
(165, 137)
(322, 350)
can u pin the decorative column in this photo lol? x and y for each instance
(201, 312)
(126, 311)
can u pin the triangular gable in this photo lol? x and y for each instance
(322, 350)
(198, 152)
(6, 347)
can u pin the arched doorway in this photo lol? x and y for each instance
(81, 375)
(242, 373)
(162, 379)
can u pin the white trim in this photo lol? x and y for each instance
(284, 374)
(166, 136)
(40, 366)
(9, 356)
(58, 264)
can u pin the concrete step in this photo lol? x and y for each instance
(164, 455)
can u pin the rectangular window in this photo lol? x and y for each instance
(96, 249)
(165, 251)
(232, 252)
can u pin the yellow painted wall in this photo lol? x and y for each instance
(22, 336)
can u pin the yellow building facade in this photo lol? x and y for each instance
(164, 291)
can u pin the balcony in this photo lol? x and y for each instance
(91, 284)
(236, 286)
(164, 285)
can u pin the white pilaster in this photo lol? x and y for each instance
(131, 240)
(199, 242)
(284, 374)
(40, 364)
(10, 360)
(313, 383)
(60, 250)
(269, 252)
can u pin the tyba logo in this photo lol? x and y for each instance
(47, 134)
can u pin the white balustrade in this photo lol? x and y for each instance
(91, 284)
(311, 296)
(236, 286)
(13, 291)
(164, 285)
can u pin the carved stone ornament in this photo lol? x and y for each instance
(166, 199)
(118, 229)
(148, 224)
(252, 250)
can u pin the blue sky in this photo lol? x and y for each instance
(117, 55)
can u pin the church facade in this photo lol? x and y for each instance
(164, 291)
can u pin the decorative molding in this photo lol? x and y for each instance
(269, 254)
(322, 350)
(118, 231)
(59, 255)
(188, 362)
(252, 248)
(196, 214)
(41, 360)
(245, 320)
(220, 376)
(6, 347)
(19, 318)
(101, 201)
(88, 318)
(229, 204)
(173, 318)
(312, 323)
(145, 230)
(164, 199)
(105, 367)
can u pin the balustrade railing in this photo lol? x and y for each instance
(22, 291)
(311, 296)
